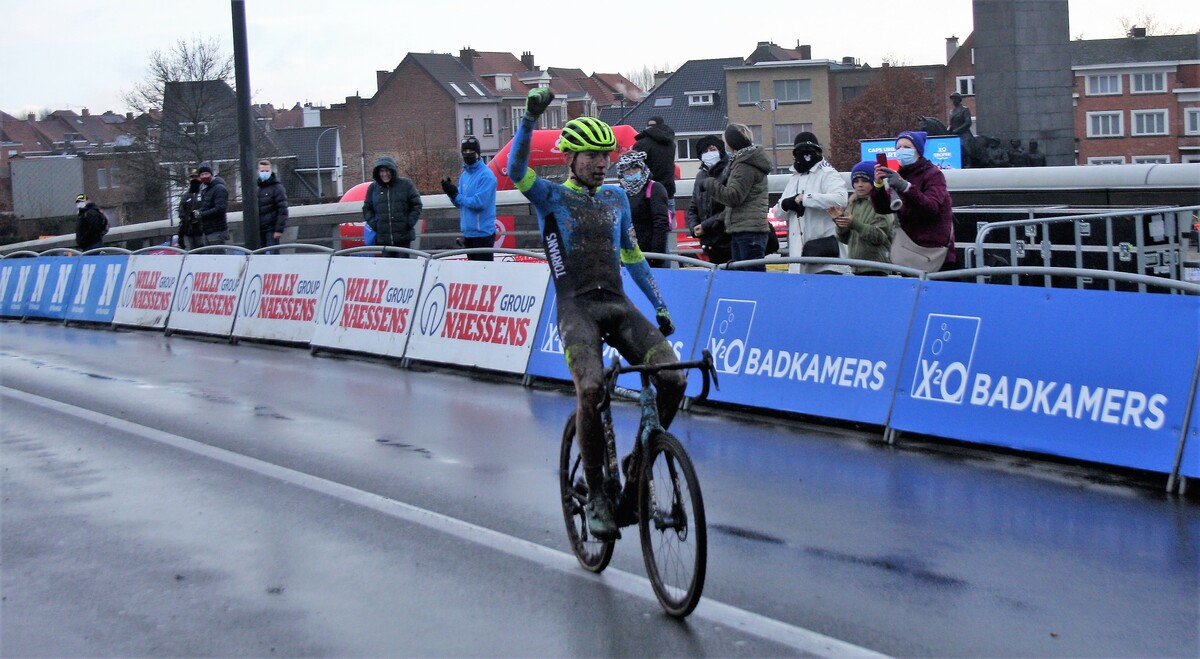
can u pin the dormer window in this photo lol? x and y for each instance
(700, 98)
(193, 128)
(504, 83)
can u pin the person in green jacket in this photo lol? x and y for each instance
(866, 233)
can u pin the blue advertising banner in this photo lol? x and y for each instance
(684, 291)
(95, 297)
(16, 282)
(53, 286)
(1190, 466)
(945, 151)
(814, 344)
(1064, 372)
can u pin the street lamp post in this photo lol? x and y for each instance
(770, 105)
(319, 195)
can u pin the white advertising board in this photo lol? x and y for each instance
(279, 300)
(207, 296)
(476, 313)
(148, 290)
(368, 304)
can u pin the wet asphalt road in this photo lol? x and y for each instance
(168, 496)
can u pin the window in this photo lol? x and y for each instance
(1103, 85)
(748, 93)
(113, 179)
(1151, 160)
(965, 85)
(102, 178)
(700, 98)
(551, 118)
(1147, 83)
(663, 102)
(851, 93)
(1104, 124)
(793, 91)
(458, 89)
(684, 149)
(487, 125)
(1191, 121)
(517, 114)
(468, 126)
(756, 134)
(503, 83)
(1148, 122)
(476, 89)
(193, 128)
(1107, 160)
(785, 134)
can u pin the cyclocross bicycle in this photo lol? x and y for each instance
(660, 494)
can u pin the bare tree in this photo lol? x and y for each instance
(644, 77)
(186, 68)
(892, 103)
(1149, 21)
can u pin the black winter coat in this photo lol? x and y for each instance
(392, 210)
(658, 143)
(651, 221)
(214, 201)
(272, 206)
(706, 212)
(91, 227)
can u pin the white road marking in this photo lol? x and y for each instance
(776, 631)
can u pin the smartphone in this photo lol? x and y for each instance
(881, 159)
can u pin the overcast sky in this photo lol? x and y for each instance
(74, 54)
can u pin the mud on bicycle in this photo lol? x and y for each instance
(654, 487)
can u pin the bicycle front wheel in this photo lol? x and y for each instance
(671, 523)
(592, 553)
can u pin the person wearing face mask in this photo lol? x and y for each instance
(475, 199)
(745, 196)
(647, 203)
(91, 226)
(813, 196)
(704, 212)
(927, 214)
(272, 205)
(191, 231)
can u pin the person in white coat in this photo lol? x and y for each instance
(813, 196)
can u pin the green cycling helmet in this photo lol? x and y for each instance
(587, 134)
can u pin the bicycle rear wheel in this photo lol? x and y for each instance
(671, 523)
(593, 554)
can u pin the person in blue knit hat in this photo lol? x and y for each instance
(927, 214)
(867, 234)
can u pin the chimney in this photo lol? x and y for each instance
(527, 61)
(467, 55)
(660, 77)
(951, 48)
(311, 116)
(129, 116)
(849, 61)
(30, 117)
(1137, 32)
(85, 112)
(806, 52)
(380, 78)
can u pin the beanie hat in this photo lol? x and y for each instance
(81, 197)
(735, 139)
(710, 140)
(917, 137)
(204, 169)
(864, 169)
(469, 143)
(658, 121)
(807, 140)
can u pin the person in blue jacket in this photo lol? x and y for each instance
(587, 230)
(475, 199)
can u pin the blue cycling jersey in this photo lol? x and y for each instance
(588, 235)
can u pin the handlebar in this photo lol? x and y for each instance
(705, 365)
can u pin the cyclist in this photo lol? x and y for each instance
(588, 233)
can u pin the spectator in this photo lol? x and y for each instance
(272, 206)
(392, 207)
(92, 224)
(647, 204)
(812, 196)
(927, 213)
(191, 231)
(866, 233)
(657, 141)
(704, 213)
(475, 198)
(744, 195)
(214, 200)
